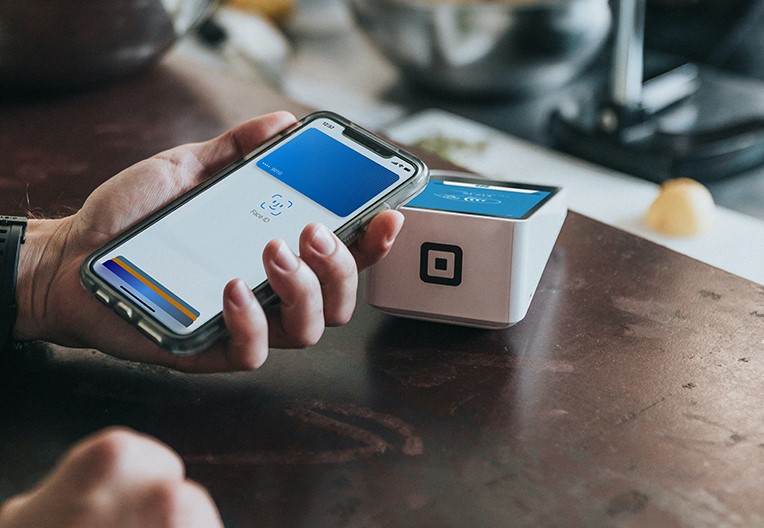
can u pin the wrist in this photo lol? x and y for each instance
(39, 258)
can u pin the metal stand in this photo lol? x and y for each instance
(622, 127)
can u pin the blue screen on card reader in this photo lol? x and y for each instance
(480, 199)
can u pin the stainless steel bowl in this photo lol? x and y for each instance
(60, 44)
(488, 47)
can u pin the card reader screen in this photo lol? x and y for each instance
(480, 199)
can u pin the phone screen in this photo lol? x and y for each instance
(510, 201)
(176, 268)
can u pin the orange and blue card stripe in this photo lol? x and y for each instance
(152, 290)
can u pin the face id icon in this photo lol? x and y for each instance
(440, 264)
(276, 205)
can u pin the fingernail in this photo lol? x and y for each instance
(323, 241)
(241, 296)
(285, 259)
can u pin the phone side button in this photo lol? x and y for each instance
(150, 332)
(102, 296)
(124, 310)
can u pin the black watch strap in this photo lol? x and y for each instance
(12, 233)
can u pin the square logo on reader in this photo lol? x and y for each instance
(440, 264)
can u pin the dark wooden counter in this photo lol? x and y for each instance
(631, 395)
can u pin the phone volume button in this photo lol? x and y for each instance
(103, 297)
(150, 332)
(124, 310)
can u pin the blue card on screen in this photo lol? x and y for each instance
(328, 172)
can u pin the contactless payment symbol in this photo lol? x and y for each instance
(276, 205)
(440, 264)
(469, 198)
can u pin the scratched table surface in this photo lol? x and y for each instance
(632, 394)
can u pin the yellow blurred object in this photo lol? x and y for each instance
(684, 207)
(277, 10)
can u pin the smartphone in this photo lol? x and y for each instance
(166, 275)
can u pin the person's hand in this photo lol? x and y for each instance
(115, 478)
(316, 289)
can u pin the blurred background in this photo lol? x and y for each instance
(651, 88)
(510, 63)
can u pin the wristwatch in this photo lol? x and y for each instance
(12, 235)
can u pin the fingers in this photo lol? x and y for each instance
(335, 270)
(377, 239)
(298, 320)
(171, 504)
(247, 346)
(117, 478)
(316, 289)
(117, 456)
